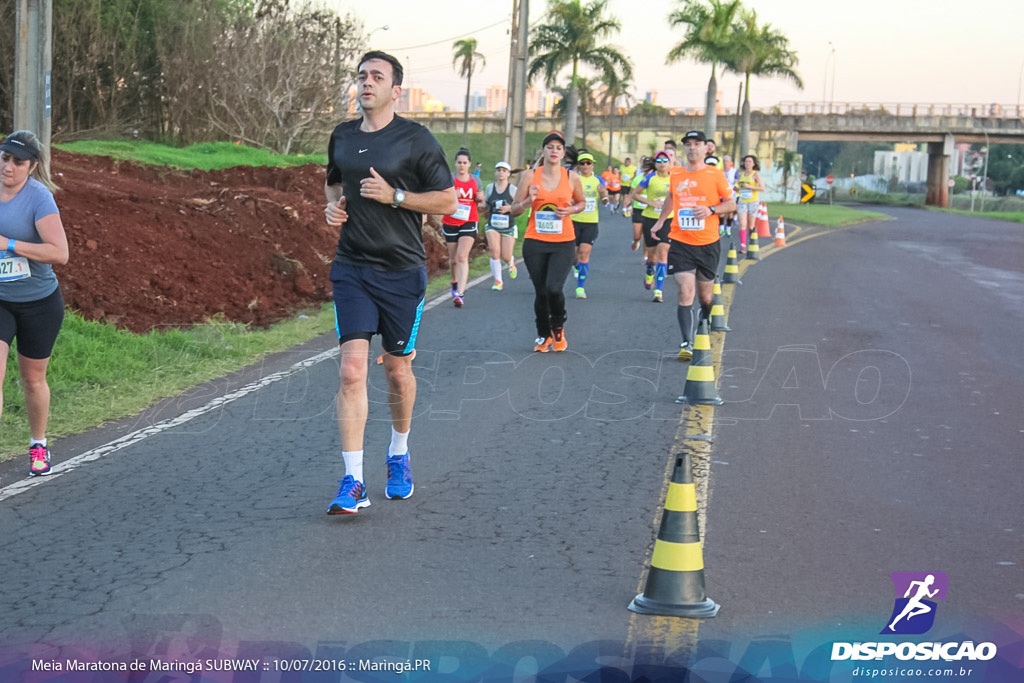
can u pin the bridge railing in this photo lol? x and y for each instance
(991, 110)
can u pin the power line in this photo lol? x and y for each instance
(445, 40)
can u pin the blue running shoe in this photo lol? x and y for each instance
(351, 496)
(399, 477)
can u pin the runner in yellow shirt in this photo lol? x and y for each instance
(585, 222)
(628, 173)
(652, 191)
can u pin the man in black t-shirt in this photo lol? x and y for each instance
(383, 173)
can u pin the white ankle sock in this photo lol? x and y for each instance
(353, 464)
(399, 443)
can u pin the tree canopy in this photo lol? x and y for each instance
(253, 70)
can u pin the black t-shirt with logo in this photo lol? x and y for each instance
(408, 157)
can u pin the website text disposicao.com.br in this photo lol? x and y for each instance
(912, 672)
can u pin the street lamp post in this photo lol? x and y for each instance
(1020, 79)
(824, 83)
(984, 173)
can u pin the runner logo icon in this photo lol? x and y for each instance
(915, 594)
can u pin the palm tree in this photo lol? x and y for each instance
(584, 103)
(465, 62)
(571, 37)
(790, 164)
(759, 51)
(708, 38)
(614, 89)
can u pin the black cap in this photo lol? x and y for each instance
(553, 135)
(695, 135)
(20, 146)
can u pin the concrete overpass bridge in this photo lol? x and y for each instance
(940, 126)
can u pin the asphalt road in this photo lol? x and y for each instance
(872, 424)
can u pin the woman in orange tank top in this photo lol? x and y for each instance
(554, 194)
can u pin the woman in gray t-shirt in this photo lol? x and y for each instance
(31, 306)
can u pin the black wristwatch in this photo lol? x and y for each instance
(399, 198)
(712, 210)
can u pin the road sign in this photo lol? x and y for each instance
(830, 179)
(808, 193)
(951, 182)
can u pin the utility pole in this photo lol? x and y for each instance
(515, 109)
(33, 56)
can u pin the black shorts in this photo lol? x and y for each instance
(586, 233)
(368, 301)
(452, 233)
(683, 258)
(649, 240)
(34, 323)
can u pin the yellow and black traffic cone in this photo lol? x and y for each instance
(702, 346)
(675, 582)
(718, 311)
(753, 251)
(700, 376)
(732, 269)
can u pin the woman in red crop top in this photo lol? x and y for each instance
(459, 229)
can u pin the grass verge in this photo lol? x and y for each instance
(207, 156)
(100, 373)
(822, 214)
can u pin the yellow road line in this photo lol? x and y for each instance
(675, 634)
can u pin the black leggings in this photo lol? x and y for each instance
(548, 264)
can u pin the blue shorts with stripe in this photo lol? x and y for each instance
(368, 301)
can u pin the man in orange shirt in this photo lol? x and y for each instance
(697, 193)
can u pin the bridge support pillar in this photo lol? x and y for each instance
(939, 154)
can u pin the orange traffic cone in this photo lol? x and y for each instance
(675, 582)
(780, 233)
(761, 224)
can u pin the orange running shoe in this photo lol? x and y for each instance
(542, 344)
(558, 338)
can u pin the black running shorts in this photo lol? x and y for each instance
(34, 323)
(686, 258)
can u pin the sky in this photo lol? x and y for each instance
(884, 50)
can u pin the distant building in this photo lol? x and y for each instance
(478, 102)
(651, 97)
(549, 102)
(904, 167)
(497, 99)
(534, 102)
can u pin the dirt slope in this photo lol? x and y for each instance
(153, 247)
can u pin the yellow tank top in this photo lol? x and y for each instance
(745, 195)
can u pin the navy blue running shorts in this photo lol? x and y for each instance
(368, 301)
(34, 323)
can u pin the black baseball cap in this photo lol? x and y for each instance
(553, 135)
(20, 146)
(695, 135)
